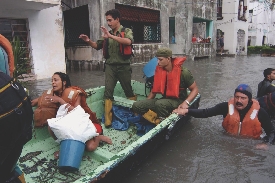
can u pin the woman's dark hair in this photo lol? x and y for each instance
(64, 77)
(114, 13)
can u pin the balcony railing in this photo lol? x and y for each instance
(202, 49)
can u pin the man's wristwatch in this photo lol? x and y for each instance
(187, 102)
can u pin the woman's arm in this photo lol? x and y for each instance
(34, 102)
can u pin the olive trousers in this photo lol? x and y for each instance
(163, 107)
(121, 73)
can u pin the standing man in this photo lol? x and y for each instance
(242, 116)
(115, 43)
(269, 76)
(171, 80)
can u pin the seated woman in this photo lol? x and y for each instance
(62, 93)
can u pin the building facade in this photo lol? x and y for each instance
(261, 23)
(45, 26)
(39, 26)
(232, 22)
(155, 23)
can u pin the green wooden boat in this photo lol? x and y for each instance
(109, 163)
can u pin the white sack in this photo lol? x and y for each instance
(75, 125)
(62, 111)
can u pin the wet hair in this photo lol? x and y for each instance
(114, 13)
(268, 72)
(64, 77)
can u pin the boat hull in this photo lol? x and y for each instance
(108, 163)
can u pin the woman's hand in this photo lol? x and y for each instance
(54, 99)
(34, 102)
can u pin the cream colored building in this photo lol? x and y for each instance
(39, 25)
(261, 23)
(232, 21)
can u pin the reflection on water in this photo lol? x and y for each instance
(201, 151)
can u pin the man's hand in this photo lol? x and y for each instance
(181, 111)
(106, 33)
(183, 105)
(84, 37)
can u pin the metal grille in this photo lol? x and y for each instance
(10, 28)
(76, 22)
(145, 23)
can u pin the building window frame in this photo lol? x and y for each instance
(144, 22)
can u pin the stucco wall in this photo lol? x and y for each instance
(46, 39)
(230, 26)
(97, 9)
(262, 23)
(183, 11)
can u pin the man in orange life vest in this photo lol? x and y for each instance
(171, 80)
(242, 115)
(117, 50)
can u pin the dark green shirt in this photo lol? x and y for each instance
(113, 47)
(186, 80)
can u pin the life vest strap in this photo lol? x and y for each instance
(11, 111)
(5, 87)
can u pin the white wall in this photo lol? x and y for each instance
(227, 26)
(47, 42)
(46, 38)
(230, 26)
(262, 23)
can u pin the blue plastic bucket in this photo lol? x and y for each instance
(70, 155)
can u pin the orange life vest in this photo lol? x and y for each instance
(45, 109)
(250, 126)
(169, 82)
(125, 50)
(70, 95)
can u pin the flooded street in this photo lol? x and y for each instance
(200, 151)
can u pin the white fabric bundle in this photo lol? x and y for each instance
(74, 125)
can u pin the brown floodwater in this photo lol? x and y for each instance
(200, 151)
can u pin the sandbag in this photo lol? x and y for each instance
(75, 125)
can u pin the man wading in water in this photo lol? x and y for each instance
(242, 116)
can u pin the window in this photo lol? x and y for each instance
(172, 30)
(242, 11)
(250, 15)
(76, 22)
(11, 28)
(17, 28)
(219, 10)
(145, 23)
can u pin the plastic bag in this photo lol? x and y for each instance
(74, 125)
